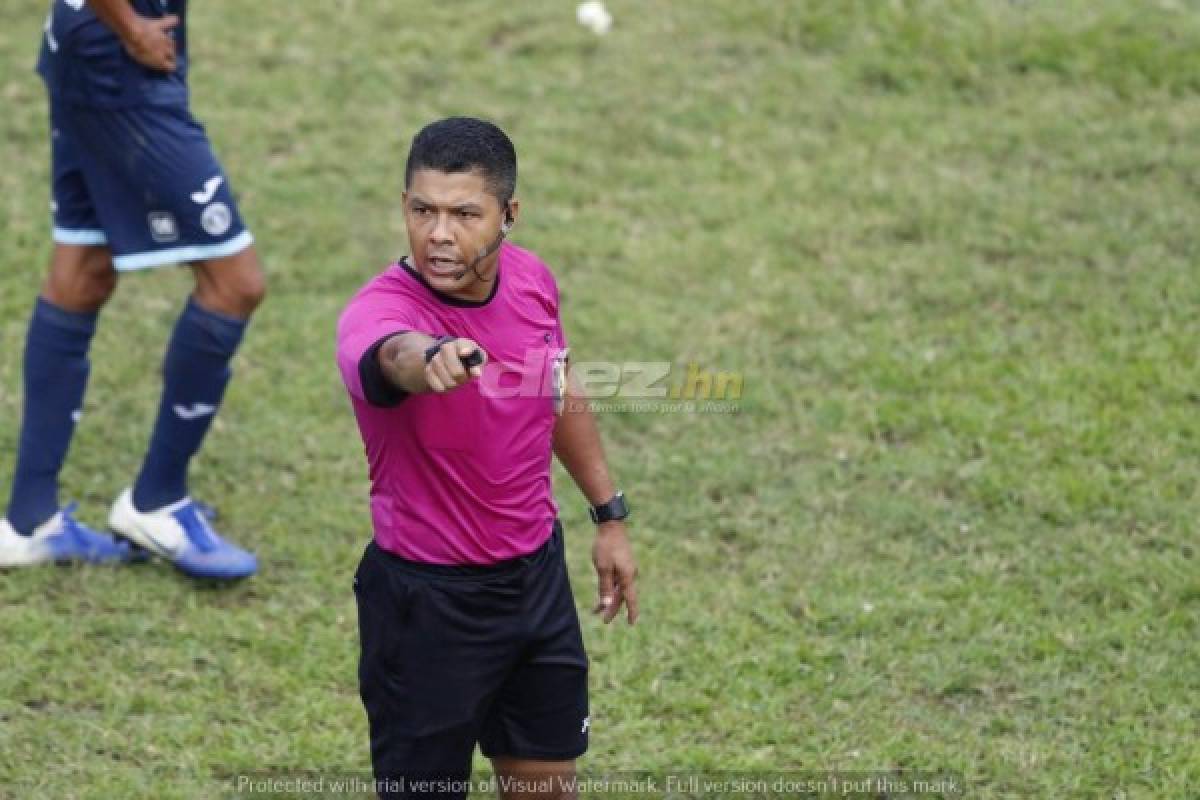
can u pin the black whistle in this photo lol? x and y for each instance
(471, 359)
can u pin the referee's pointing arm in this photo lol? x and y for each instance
(416, 362)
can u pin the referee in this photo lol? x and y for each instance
(455, 361)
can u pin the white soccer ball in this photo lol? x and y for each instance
(594, 16)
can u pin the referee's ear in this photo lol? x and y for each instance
(511, 210)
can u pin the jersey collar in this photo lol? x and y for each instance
(450, 300)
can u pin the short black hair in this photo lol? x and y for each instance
(466, 144)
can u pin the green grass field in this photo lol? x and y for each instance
(949, 245)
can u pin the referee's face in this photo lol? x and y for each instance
(452, 220)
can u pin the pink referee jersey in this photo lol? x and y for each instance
(462, 477)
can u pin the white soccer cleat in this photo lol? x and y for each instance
(181, 533)
(60, 539)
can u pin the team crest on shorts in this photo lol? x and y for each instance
(216, 219)
(163, 227)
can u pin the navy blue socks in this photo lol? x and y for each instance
(56, 374)
(195, 374)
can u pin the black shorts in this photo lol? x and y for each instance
(454, 655)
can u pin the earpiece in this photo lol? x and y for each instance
(505, 227)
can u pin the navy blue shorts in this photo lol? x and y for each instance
(454, 656)
(143, 181)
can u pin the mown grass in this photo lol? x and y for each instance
(950, 246)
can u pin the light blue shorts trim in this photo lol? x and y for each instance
(181, 255)
(79, 236)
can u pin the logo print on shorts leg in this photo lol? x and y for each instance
(209, 191)
(163, 227)
(216, 219)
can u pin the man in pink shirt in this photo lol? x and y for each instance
(455, 361)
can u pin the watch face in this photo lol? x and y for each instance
(612, 510)
(618, 507)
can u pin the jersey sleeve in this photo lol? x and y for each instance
(362, 328)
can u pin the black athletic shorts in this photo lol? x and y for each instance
(455, 655)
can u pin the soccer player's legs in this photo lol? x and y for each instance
(167, 201)
(80, 279)
(196, 372)
(157, 512)
(36, 528)
(233, 285)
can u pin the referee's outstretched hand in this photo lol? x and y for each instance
(616, 572)
(446, 370)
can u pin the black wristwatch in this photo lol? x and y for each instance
(614, 509)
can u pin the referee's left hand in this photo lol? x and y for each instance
(616, 572)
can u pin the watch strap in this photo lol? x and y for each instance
(614, 509)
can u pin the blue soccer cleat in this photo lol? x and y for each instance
(61, 539)
(207, 511)
(181, 533)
